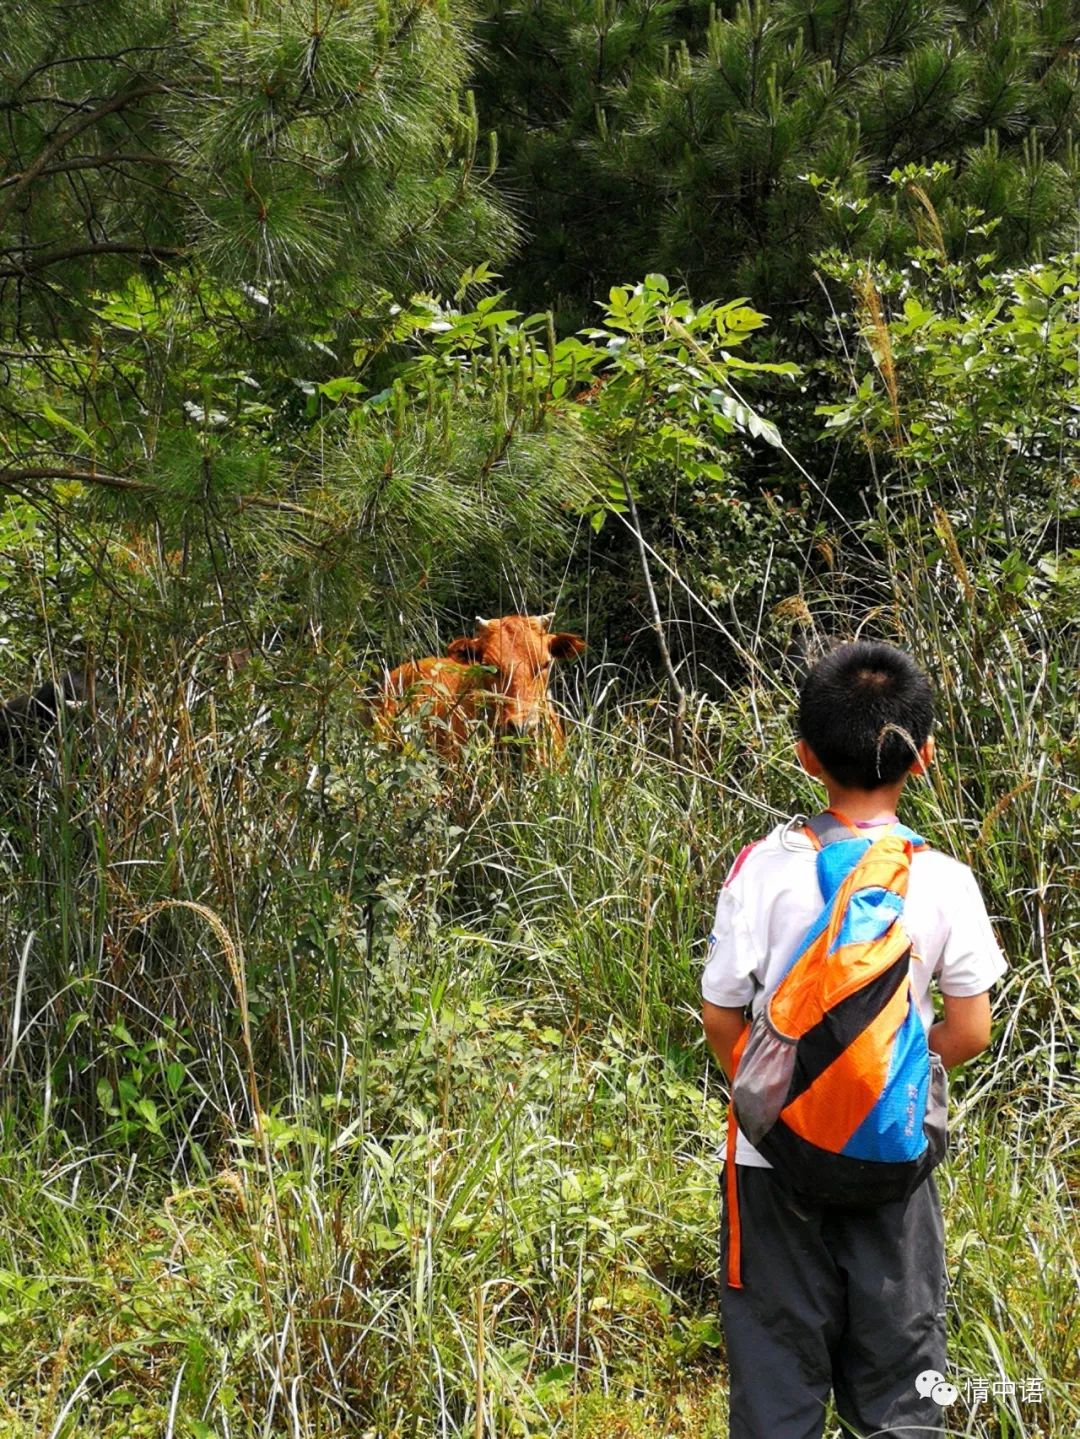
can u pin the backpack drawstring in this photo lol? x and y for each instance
(734, 1264)
(734, 1261)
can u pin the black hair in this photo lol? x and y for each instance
(865, 709)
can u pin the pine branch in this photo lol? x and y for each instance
(113, 59)
(15, 479)
(105, 247)
(76, 128)
(93, 162)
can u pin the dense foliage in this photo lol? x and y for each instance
(307, 153)
(699, 138)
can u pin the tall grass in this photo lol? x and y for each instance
(343, 1095)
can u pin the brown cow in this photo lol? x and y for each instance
(500, 675)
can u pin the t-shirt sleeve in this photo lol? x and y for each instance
(971, 959)
(731, 962)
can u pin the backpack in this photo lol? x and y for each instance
(834, 1082)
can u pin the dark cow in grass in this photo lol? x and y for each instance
(26, 719)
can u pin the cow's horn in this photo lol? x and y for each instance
(544, 621)
(481, 623)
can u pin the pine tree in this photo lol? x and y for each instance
(213, 215)
(243, 177)
(638, 135)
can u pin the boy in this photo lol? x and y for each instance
(850, 1300)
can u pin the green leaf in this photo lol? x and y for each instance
(148, 1110)
(785, 367)
(55, 418)
(336, 389)
(764, 429)
(916, 313)
(745, 319)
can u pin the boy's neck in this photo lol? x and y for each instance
(865, 806)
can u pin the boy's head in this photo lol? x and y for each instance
(865, 712)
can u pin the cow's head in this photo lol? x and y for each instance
(519, 649)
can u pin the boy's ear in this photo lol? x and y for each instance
(925, 757)
(808, 759)
(467, 650)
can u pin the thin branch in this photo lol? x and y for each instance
(268, 502)
(679, 717)
(114, 58)
(94, 162)
(85, 122)
(104, 247)
(15, 479)
(12, 479)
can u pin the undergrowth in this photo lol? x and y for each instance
(344, 1094)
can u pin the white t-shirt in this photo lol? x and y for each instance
(771, 898)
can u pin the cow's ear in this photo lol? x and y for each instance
(564, 646)
(467, 650)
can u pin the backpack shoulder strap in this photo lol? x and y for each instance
(831, 826)
(828, 828)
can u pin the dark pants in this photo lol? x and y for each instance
(848, 1301)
